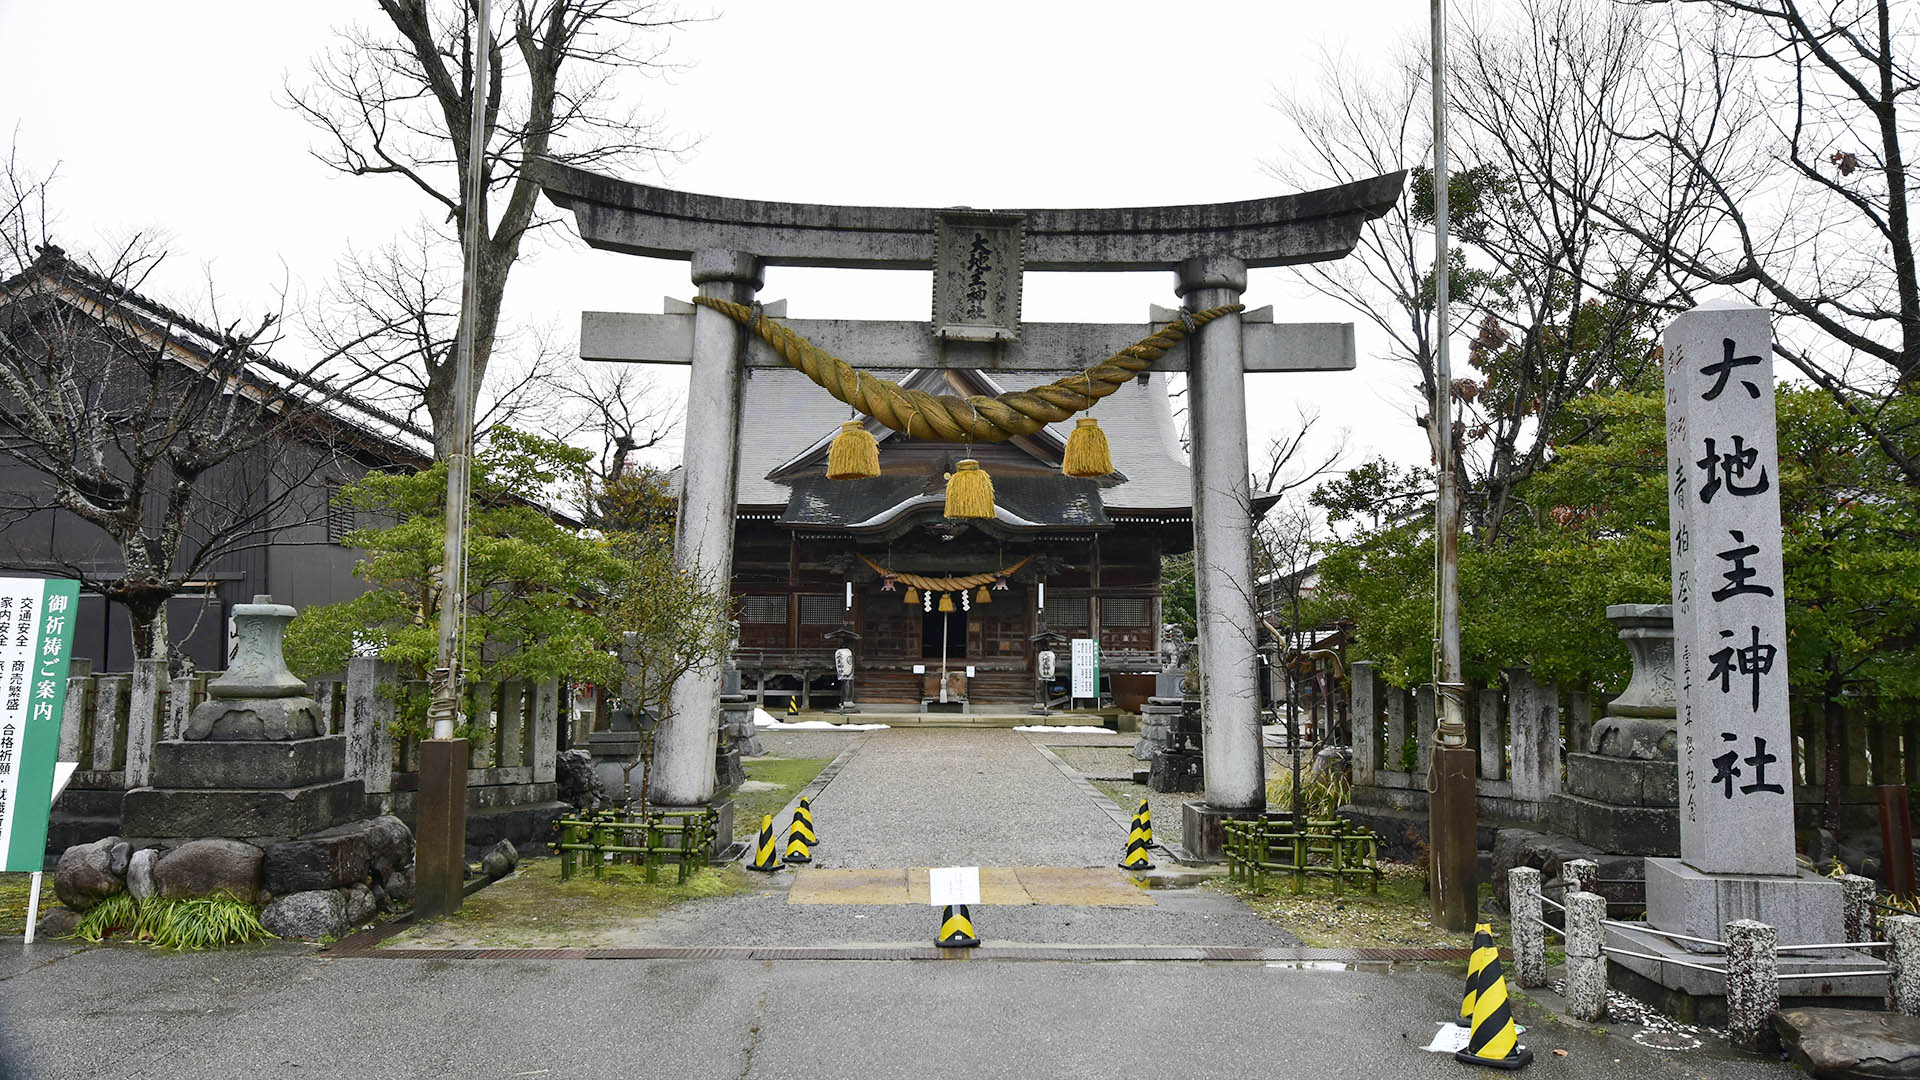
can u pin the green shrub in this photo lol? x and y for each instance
(200, 923)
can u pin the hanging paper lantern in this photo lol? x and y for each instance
(946, 602)
(983, 598)
(1087, 451)
(854, 453)
(913, 595)
(969, 491)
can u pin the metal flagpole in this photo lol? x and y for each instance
(1452, 765)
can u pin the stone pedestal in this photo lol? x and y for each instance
(1807, 909)
(736, 720)
(1157, 718)
(1177, 771)
(1202, 829)
(255, 761)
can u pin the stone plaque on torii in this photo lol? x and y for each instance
(1208, 248)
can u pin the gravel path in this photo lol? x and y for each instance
(959, 797)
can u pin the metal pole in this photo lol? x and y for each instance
(453, 572)
(1452, 729)
(1452, 765)
(33, 906)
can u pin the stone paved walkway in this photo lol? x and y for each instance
(959, 797)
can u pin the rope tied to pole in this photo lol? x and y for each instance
(948, 417)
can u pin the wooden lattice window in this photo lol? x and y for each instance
(1067, 612)
(821, 609)
(763, 609)
(340, 516)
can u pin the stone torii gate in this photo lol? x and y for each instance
(1208, 247)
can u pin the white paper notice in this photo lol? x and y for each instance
(953, 885)
(1449, 1038)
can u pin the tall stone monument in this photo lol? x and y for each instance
(1730, 639)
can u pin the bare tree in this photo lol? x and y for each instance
(619, 413)
(176, 444)
(1558, 303)
(395, 101)
(1780, 134)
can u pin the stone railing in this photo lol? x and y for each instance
(112, 722)
(1517, 728)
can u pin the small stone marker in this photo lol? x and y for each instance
(1729, 593)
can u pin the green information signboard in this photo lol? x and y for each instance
(36, 642)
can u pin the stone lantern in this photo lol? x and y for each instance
(1623, 791)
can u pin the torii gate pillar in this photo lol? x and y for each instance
(684, 747)
(1223, 558)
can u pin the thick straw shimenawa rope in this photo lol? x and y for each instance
(918, 414)
(946, 584)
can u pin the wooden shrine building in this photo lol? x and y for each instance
(1065, 557)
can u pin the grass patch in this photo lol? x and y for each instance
(1399, 916)
(532, 908)
(787, 775)
(13, 900)
(180, 925)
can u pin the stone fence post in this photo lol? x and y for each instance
(546, 731)
(1753, 984)
(1857, 906)
(146, 707)
(1903, 985)
(1396, 728)
(369, 724)
(73, 721)
(1365, 722)
(1426, 717)
(512, 704)
(1529, 936)
(1533, 721)
(1493, 735)
(1586, 959)
(109, 723)
(1580, 874)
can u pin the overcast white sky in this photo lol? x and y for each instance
(167, 116)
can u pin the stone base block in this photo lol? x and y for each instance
(1627, 830)
(240, 814)
(1623, 781)
(1202, 829)
(1700, 997)
(1177, 770)
(205, 764)
(729, 773)
(1806, 908)
(528, 828)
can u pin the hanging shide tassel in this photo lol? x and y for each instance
(969, 491)
(946, 602)
(854, 453)
(983, 598)
(913, 595)
(1087, 451)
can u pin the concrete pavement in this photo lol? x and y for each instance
(120, 1013)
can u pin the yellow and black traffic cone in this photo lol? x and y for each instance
(1139, 839)
(793, 706)
(956, 929)
(1483, 950)
(799, 841)
(1494, 1040)
(1145, 814)
(804, 812)
(763, 857)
